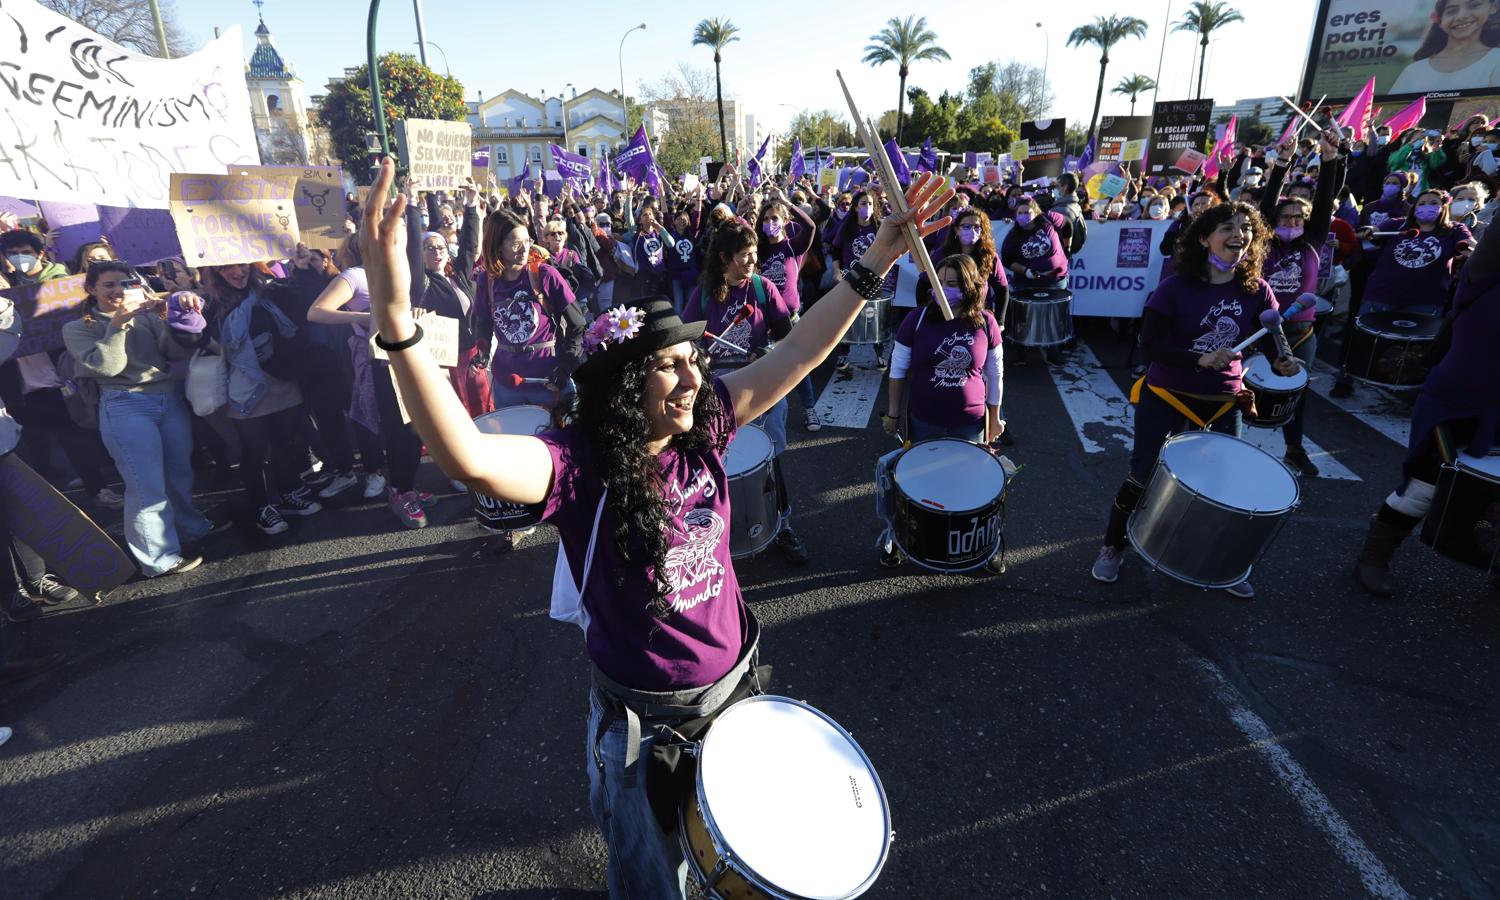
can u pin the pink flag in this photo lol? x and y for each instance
(1224, 149)
(1407, 118)
(1357, 113)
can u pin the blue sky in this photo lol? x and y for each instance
(780, 58)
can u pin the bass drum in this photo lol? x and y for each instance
(1464, 522)
(1389, 348)
(948, 505)
(754, 516)
(1212, 507)
(493, 514)
(1039, 317)
(1276, 395)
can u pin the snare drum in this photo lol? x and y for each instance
(494, 514)
(1464, 522)
(1389, 348)
(1212, 507)
(786, 805)
(869, 325)
(754, 519)
(948, 503)
(1276, 395)
(1039, 317)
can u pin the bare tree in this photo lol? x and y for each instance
(683, 83)
(126, 22)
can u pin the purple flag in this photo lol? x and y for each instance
(637, 161)
(481, 158)
(571, 165)
(898, 162)
(754, 164)
(607, 181)
(927, 161)
(799, 163)
(520, 180)
(552, 184)
(1087, 159)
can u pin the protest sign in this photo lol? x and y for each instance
(1190, 161)
(1112, 185)
(89, 121)
(1177, 126)
(140, 236)
(1116, 131)
(44, 309)
(234, 218)
(1133, 151)
(1397, 43)
(76, 550)
(439, 336)
(18, 208)
(1044, 145)
(318, 201)
(76, 224)
(1020, 150)
(438, 155)
(1116, 270)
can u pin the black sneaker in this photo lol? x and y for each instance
(49, 590)
(793, 548)
(270, 520)
(299, 503)
(891, 558)
(1297, 458)
(20, 608)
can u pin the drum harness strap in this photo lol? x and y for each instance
(1173, 401)
(1304, 337)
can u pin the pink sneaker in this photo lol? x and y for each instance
(407, 508)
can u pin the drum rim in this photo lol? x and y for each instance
(1296, 485)
(721, 845)
(1459, 466)
(1386, 384)
(546, 413)
(1359, 325)
(1004, 479)
(769, 444)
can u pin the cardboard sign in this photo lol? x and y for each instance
(438, 155)
(439, 336)
(76, 224)
(140, 236)
(1133, 151)
(236, 218)
(44, 309)
(75, 548)
(1112, 185)
(1020, 150)
(319, 201)
(689, 183)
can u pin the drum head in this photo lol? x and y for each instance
(1323, 307)
(794, 798)
(1409, 326)
(749, 447)
(1259, 372)
(950, 475)
(1486, 467)
(1043, 295)
(523, 419)
(1230, 472)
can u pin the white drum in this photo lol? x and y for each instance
(489, 512)
(786, 805)
(754, 519)
(1276, 395)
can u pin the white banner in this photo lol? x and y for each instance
(1117, 269)
(88, 121)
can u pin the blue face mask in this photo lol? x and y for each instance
(23, 262)
(1390, 190)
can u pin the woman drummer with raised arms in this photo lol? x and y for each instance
(1189, 329)
(637, 489)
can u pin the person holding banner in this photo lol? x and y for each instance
(639, 476)
(1189, 328)
(127, 343)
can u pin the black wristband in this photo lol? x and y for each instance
(865, 283)
(399, 345)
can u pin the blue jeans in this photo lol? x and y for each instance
(773, 421)
(805, 394)
(150, 437)
(923, 431)
(643, 861)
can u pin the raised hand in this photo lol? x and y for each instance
(382, 243)
(925, 198)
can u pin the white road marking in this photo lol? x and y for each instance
(1382, 410)
(849, 398)
(1096, 404)
(1377, 880)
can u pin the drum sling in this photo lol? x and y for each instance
(1304, 338)
(1172, 401)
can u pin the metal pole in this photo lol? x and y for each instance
(161, 30)
(1046, 63)
(377, 102)
(416, 6)
(446, 68)
(625, 104)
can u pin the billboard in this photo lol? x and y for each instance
(1440, 48)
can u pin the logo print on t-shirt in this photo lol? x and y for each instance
(652, 246)
(1226, 331)
(685, 250)
(774, 271)
(1378, 219)
(1037, 246)
(516, 321)
(739, 335)
(1418, 253)
(859, 245)
(1288, 274)
(957, 360)
(692, 561)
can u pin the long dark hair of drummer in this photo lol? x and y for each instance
(612, 413)
(1192, 251)
(732, 239)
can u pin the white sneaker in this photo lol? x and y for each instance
(109, 499)
(374, 486)
(341, 482)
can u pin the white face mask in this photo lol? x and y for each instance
(1475, 141)
(1461, 207)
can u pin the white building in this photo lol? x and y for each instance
(517, 128)
(278, 108)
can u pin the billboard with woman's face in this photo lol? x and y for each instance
(1440, 48)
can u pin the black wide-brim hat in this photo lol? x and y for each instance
(662, 328)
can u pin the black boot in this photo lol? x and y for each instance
(1372, 569)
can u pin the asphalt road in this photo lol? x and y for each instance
(356, 711)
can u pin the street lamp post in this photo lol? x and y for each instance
(1046, 62)
(1156, 91)
(161, 30)
(416, 6)
(446, 67)
(624, 104)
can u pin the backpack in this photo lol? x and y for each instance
(80, 392)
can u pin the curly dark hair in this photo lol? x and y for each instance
(983, 252)
(1436, 38)
(1192, 256)
(729, 239)
(611, 415)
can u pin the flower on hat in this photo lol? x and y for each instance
(614, 327)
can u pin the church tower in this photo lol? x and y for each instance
(278, 107)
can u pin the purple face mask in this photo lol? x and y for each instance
(1221, 265)
(1289, 232)
(954, 294)
(968, 234)
(1390, 190)
(1023, 219)
(1428, 212)
(772, 229)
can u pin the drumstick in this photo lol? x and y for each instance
(745, 312)
(1270, 320)
(897, 197)
(517, 380)
(720, 341)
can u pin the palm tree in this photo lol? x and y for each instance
(1205, 17)
(718, 34)
(1132, 85)
(1104, 32)
(903, 43)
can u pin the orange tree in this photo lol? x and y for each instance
(411, 91)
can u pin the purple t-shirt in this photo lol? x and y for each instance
(1468, 369)
(782, 263)
(1385, 215)
(1205, 318)
(1292, 270)
(1415, 271)
(752, 333)
(651, 251)
(682, 261)
(521, 320)
(946, 378)
(700, 640)
(1039, 249)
